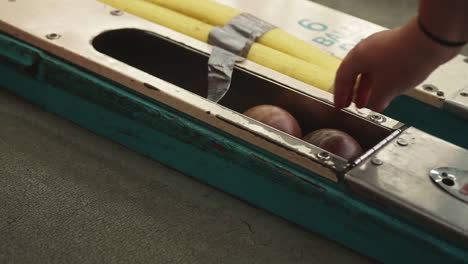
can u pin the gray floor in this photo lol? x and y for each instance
(69, 196)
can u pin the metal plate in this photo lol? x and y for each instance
(62, 31)
(457, 102)
(398, 176)
(64, 18)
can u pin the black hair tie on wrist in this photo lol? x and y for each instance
(438, 40)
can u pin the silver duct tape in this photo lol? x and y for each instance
(220, 68)
(232, 44)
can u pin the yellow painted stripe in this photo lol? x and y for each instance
(218, 15)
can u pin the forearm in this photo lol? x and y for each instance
(446, 19)
(438, 31)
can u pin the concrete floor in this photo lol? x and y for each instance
(69, 196)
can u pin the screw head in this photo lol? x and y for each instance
(402, 142)
(116, 13)
(464, 94)
(53, 36)
(377, 162)
(323, 155)
(377, 118)
(440, 93)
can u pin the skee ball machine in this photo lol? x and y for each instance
(142, 73)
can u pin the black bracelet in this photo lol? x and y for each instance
(438, 40)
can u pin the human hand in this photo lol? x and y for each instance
(390, 63)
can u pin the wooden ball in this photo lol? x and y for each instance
(275, 117)
(336, 142)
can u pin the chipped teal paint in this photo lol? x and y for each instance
(430, 120)
(17, 52)
(186, 144)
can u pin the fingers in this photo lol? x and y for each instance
(346, 76)
(380, 99)
(363, 91)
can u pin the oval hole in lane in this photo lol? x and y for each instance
(187, 68)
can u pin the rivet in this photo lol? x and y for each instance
(376, 162)
(323, 155)
(440, 93)
(377, 118)
(429, 88)
(53, 36)
(402, 142)
(116, 13)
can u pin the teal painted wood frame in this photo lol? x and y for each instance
(429, 119)
(219, 159)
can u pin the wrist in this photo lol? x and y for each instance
(435, 38)
(446, 20)
(428, 49)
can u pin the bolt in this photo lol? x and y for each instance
(376, 162)
(53, 36)
(440, 93)
(377, 118)
(429, 88)
(464, 94)
(402, 142)
(116, 13)
(323, 155)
